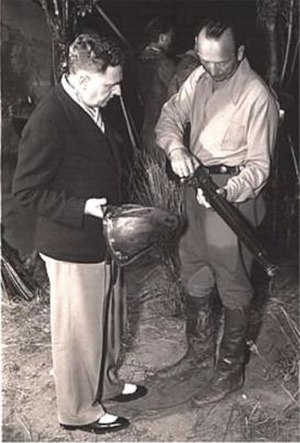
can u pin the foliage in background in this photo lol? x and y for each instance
(62, 17)
(280, 20)
(19, 64)
(17, 282)
(149, 185)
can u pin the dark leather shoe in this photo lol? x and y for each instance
(140, 391)
(99, 428)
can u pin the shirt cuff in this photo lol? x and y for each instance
(175, 148)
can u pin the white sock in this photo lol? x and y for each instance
(129, 388)
(107, 418)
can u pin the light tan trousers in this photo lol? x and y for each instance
(87, 316)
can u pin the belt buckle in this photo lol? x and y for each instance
(223, 169)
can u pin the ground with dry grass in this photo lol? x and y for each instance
(266, 409)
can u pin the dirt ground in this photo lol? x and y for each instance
(266, 409)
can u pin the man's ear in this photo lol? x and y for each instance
(83, 80)
(196, 43)
(161, 39)
(240, 53)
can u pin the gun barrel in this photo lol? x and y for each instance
(233, 218)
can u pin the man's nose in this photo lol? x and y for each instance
(212, 69)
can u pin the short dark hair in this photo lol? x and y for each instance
(157, 26)
(93, 53)
(215, 27)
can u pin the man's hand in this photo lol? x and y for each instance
(202, 200)
(183, 162)
(94, 206)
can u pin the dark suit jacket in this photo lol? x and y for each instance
(64, 159)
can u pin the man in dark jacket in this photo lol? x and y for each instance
(155, 70)
(186, 65)
(68, 168)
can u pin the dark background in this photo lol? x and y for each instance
(131, 17)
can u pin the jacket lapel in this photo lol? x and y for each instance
(79, 118)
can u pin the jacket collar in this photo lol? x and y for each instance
(151, 52)
(77, 118)
(93, 112)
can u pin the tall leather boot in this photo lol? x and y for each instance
(201, 331)
(202, 327)
(229, 372)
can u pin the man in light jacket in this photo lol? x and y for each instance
(233, 117)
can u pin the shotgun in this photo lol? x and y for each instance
(232, 216)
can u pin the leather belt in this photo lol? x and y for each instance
(223, 169)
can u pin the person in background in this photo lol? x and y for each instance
(233, 117)
(188, 61)
(155, 69)
(68, 170)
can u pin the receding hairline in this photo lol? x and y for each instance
(214, 27)
(227, 36)
(209, 35)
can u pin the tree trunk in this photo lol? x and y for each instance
(272, 75)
